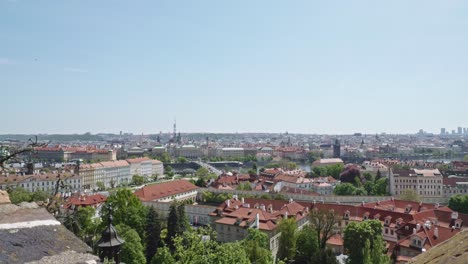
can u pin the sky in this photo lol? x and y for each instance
(334, 67)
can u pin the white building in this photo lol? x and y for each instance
(157, 167)
(426, 182)
(141, 166)
(231, 152)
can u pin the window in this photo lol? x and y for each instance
(386, 231)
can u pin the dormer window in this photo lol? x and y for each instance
(366, 216)
(346, 215)
(458, 223)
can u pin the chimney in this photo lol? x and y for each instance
(414, 230)
(418, 226)
(242, 200)
(257, 221)
(286, 215)
(436, 232)
(228, 203)
(454, 215)
(290, 200)
(262, 207)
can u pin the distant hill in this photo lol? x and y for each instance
(53, 137)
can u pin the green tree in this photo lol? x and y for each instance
(182, 160)
(127, 209)
(100, 185)
(244, 186)
(324, 223)
(410, 195)
(132, 249)
(257, 245)
(307, 246)
(254, 167)
(138, 180)
(40, 196)
(380, 186)
(229, 253)
(344, 189)
(287, 240)
(176, 223)
(163, 256)
(459, 203)
(168, 171)
(153, 233)
(465, 158)
(357, 235)
(18, 195)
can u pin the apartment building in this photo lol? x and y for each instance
(141, 166)
(426, 182)
(231, 152)
(43, 182)
(110, 173)
(232, 219)
(157, 167)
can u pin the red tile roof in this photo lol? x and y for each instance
(166, 189)
(85, 200)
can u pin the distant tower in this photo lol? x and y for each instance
(336, 149)
(174, 133)
(362, 143)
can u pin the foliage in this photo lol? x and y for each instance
(127, 209)
(182, 159)
(314, 155)
(18, 195)
(132, 249)
(256, 246)
(272, 165)
(410, 195)
(244, 186)
(200, 182)
(332, 170)
(176, 223)
(356, 237)
(100, 186)
(323, 222)
(344, 189)
(168, 171)
(307, 246)
(287, 240)
(138, 180)
(189, 248)
(465, 158)
(210, 197)
(459, 203)
(153, 233)
(350, 174)
(163, 256)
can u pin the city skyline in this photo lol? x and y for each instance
(267, 66)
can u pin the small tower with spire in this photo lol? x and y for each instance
(110, 243)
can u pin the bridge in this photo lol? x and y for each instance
(209, 167)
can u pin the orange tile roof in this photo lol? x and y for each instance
(166, 189)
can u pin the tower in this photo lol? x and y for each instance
(174, 133)
(336, 149)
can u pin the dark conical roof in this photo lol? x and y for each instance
(110, 238)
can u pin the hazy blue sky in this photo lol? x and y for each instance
(71, 66)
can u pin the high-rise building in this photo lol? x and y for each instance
(460, 131)
(442, 131)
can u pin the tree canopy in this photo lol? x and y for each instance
(459, 203)
(364, 243)
(132, 249)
